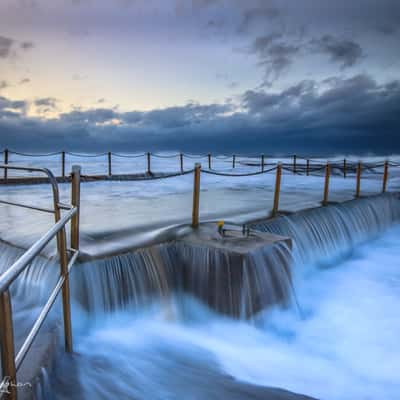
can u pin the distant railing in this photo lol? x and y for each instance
(278, 168)
(298, 164)
(67, 256)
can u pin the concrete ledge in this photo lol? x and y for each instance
(235, 274)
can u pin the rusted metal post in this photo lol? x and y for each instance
(358, 186)
(149, 163)
(7, 346)
(181, 162)
(326, 186)
(344, 168)
(209, 161)
(262, 162)
(109, 164)
(76, 202)
(66, 302)
(234, 161)
(63, 164)
(277, 189)
(308, 168)
(294, 164)
(196, 195)
(385, 176)
(5, 162)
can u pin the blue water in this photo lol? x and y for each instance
(341, 342)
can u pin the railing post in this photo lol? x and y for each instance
(5, 162)
(196, 195)
(109, 164)
(63, 164)
(385, 176)
(209, 161)
(262, 162)
(308, 167)
(66, 302)
(277, 189)
(233, 161)
(294, 164)
(76, 202)
(7, 345)
(181, 161)
(344, 168)
(326, 186)
(149, 163)
(358, 185)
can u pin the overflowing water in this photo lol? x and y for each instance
(322, 233)
(137, 207)
(138, 336)
(157, 323)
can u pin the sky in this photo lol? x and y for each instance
(250, 76)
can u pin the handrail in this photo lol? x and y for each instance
(46, 171)
(12, 273)
(10, 364)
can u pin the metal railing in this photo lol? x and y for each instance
(279, 167)
(67, 256)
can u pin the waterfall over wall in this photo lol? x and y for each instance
(36, 281)
(236, 284)
(233, 284)
(321, 233)
(131, 279)
(229, 282)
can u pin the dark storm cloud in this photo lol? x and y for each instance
(274, 54)
(335, 115)
(95, 116)
(345, 52)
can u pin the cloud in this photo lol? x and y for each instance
(3, 85)
(274, 54)
(258, 16)
(46, 102)
(345, 52)
(5, 46)
(24, 81)
(27, 45)
(78, 77)
(12, 108)
(333, 115)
